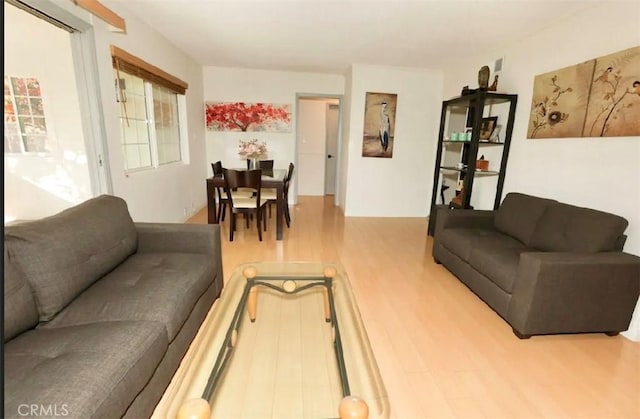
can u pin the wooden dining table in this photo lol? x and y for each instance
(270, 179)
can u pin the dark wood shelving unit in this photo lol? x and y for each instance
(473, 104)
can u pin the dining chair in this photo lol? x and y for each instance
(262, 164)
(255, 204)
(222, 196)
(271, 196)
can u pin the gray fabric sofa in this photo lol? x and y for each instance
(544, 266)
(99, 310)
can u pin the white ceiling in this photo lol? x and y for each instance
(330, 35)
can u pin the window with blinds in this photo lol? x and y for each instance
(25, 127)
(152, 122)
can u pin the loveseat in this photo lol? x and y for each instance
(546, 267)
(99, 310)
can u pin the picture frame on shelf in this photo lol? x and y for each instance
(495, 135)
(487, 127)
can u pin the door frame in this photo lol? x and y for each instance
(91, 112)
(340, 98)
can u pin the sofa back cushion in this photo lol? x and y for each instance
(519, 214)
(62, 255)
(567, 228)
(20, 312)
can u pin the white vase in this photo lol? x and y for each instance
(254, 163)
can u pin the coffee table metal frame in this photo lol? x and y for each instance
(289, 285)
(187, 399)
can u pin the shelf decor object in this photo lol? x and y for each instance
(482, 164)
(483, 77)
(487, 127)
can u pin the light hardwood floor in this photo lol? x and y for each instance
(442, 352)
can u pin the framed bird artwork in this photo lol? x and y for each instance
(379, 124)
(614, 99)
(597, 98)
(559, 102)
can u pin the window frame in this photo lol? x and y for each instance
(152, 78)
(23, 135)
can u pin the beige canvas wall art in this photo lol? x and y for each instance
(614, 102)
(559, 102)
(597, 98)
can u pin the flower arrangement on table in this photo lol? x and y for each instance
(252, 149)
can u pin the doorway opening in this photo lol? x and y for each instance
(318, 144)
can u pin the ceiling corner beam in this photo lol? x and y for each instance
(99, 10)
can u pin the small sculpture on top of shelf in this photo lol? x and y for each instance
(494, 85)
(483, 77)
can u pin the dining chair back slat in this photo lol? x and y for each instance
(222, 198)
(270, 195)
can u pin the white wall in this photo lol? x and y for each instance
(40, 185)
(599, 173)
(311, 143)
(222, 84)
(398, 186)
(173, 192)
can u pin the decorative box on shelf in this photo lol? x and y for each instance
(482, 164)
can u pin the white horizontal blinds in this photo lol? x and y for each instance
(167, 127)
(123, 61)
(25, 128)
(134, 126)
(150, 112)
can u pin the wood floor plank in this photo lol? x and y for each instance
(442, 352)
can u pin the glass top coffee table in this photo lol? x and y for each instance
(285, 340)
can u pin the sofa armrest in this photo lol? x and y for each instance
(558, 292)
(182, 238)
(463, 218)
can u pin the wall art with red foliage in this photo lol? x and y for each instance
(241, 116)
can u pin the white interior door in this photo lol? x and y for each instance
(311, 147)
(318, 135)
(331, 160)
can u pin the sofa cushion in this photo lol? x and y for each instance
(61, 255)
(519, 213)
(88, 371)
(498, 258)
(460, 241)
(159, 287)
(20, 312)
(567, 228)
